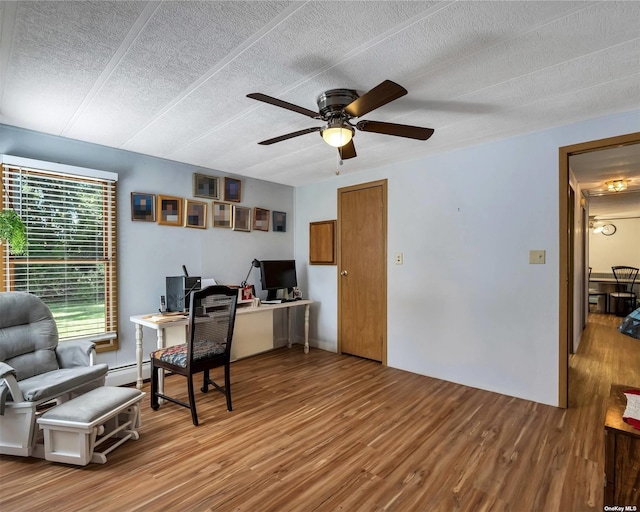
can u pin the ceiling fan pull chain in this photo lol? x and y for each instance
(338, 163)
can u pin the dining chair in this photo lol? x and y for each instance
(597, 293)
(212, 316)
(625, 297)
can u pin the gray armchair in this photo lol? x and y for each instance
(35, 369)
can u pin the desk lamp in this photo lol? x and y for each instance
(254, 263)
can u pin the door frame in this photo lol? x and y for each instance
(565, 277)
(351, 188)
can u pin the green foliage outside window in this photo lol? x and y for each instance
(13, 231)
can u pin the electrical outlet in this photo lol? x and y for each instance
(399, 258)
(537, 257)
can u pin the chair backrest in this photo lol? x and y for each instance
(625, 277)
(28, 335)
(212, 316)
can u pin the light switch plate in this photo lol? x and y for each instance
(399, 258)
(537, 257)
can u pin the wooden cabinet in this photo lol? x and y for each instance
(322, 242)
(622, 454)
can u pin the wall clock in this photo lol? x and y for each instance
(608, 229)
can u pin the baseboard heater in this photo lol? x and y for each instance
(127, 374)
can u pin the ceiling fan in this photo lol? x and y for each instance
(338, 107)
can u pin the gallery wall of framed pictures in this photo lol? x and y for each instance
(220, 195)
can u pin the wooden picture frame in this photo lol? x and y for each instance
(169, 210)
(195, 214)
(260, 219)
(222, 215)
(143, 207)
(206, 186)
(279, 222)
(241, 218)
(322, 242)
(232, 190)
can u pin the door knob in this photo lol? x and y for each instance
(343, 273)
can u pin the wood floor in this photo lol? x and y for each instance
(323, 432)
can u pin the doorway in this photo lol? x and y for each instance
(566, 275)
(362, 270)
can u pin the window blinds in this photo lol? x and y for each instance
(70, 261)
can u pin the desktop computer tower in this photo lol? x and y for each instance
(179, 290)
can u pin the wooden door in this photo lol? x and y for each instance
(362, 271)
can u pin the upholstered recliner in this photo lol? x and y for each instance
(35, 369)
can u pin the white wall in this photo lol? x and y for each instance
(621, 248)
(148, 252)
(466, 306)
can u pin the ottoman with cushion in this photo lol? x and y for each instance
(74, 430)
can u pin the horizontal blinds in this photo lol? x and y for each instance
(70, 260)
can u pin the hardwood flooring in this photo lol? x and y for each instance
(325, 432)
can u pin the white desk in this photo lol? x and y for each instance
(242, 328)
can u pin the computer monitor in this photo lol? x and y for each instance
(278, 275)
(178, 290)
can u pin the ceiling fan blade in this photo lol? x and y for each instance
(399, 130)
(283, 104)
(289, 136)
(347, 151)
(380, 95)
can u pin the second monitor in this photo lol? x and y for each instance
(278, 275)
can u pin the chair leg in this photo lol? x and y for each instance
(192, 400)
(155, 404)
(205, 381)
(227, 386)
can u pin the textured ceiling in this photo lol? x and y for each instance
(170, 79)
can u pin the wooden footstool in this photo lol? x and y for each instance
(74, 430)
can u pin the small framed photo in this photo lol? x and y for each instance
(170, 210)
(195, 214)
(280, 221)
(206, 186)
(260, 219)
(143, 207)
(222, 215)
(232, 190)
(241, 218)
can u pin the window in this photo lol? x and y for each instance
(70, 260)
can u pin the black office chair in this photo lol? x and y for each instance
(596, 293)
(212, 315)
(625, 297)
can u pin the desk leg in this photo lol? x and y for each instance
(139, 355)
(161, 372)
(306, 329)
(288, 327)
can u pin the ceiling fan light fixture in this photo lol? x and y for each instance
(616, 185)
(337, 134)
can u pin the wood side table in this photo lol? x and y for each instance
(622, 454)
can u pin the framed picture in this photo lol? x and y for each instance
(206, 186)
(222, 215)
(232, 189)
(241, 218)
(195, 214)
(260, 219)
(143, 207)
(169, 210)
(280, 221)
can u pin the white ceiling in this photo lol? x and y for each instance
(170, 79)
